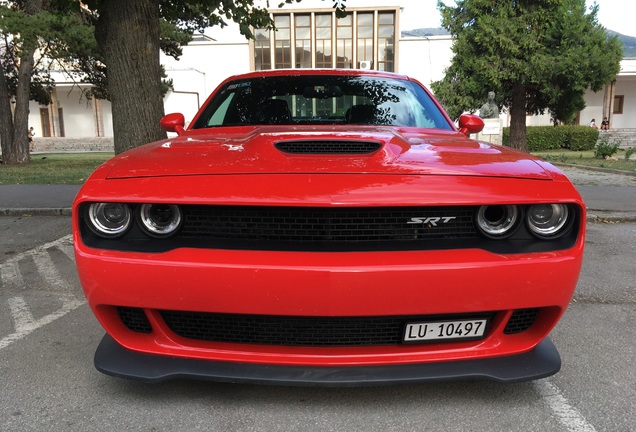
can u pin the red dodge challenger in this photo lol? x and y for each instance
(327, 227)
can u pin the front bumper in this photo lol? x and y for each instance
(113, 359)
(333, 285)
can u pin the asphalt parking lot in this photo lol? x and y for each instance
(48, 336)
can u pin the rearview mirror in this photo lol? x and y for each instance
(322, 92)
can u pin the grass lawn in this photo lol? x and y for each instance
(586, 158)
(53, 168)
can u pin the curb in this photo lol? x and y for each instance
(597, 169)
(28, 212)
(610, 216)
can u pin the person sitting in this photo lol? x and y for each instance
(30, 134)
(605, 124)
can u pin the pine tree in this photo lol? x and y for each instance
(536, 55)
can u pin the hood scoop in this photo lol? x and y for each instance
(331, 147)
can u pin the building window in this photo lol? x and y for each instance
(303, 41)
(618, 104)
(282, 38)
(262, 51)
(344, 42)
(323, 41)
(386, 42)
(363, 39)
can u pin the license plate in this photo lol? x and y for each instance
(444, 330)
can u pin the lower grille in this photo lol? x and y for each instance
(295, 331)
(521, 320)
(134, 319)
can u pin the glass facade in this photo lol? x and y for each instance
(363, 39)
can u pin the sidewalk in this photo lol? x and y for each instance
(46, 200)
(615, 203)
(608, 196)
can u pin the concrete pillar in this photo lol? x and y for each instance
(608, 100)
(54, 118)
(98, 117)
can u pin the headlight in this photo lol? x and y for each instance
(547, 220)
(498, 221)
(109, 219)
(160, 220)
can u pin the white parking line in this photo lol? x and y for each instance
(61, 243)
(67, 247)
(48, 271)
(24, 322)
(569, 416)
(10, 274)
(22, 317)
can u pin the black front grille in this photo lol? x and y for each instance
(521, 320)
(295, 331)
(296, 227)
(328, 147)
(326, 229)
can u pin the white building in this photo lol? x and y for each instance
(368, 38)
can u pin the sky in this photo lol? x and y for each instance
(617, 15)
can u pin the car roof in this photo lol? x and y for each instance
(300, 72)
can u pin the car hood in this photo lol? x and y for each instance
(255, 150)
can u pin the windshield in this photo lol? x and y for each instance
(322, 99)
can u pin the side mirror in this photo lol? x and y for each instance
(470, 123)
(174, 122)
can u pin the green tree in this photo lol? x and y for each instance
(27, 26)
(129, 35)
(535, 55)
(118, 52)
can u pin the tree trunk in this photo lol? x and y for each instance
(14, 127)
(6, 117)
(518, 118)
(20, 150)
(127, 32)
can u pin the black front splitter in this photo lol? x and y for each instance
(113, 359)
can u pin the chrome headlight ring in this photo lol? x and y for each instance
(498, 221)
(109, 220)
(548, 220)
(160, 220)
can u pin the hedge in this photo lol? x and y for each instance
(541, 138)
